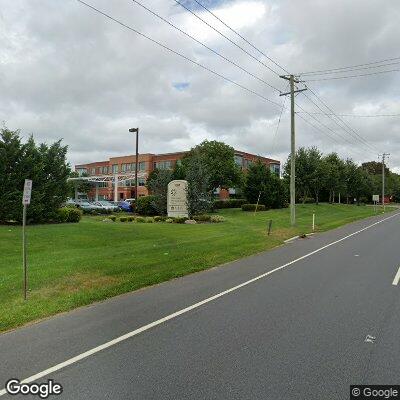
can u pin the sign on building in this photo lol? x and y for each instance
(177, 199)
(375, 197)
(26, 198)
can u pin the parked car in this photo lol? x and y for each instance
(125, 206)
(106, 204)
(86, 206)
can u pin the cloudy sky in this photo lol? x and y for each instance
(69, 72)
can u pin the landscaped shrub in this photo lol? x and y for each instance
(169, 220)
(149, 220)
(131, 219)
(113, 218)
(159, 218)
(180, 220)
(252, 207)
(217, 218)
(140, 219)
(229, 203)
(145, 205)
(123, 219)
(68, 214)
(202, 218)
(98, 211)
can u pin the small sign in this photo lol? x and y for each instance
(177, 199)
(375, 197)
(26, 198)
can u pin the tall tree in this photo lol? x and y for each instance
(47, 167)
(198, 192)
(261, 183)
(218, 159)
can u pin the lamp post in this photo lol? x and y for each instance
(136, 130)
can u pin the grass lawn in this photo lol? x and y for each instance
(71, 265)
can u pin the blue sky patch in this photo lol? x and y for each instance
(181, 85)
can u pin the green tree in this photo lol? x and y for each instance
(158, 186)
(261, 183)
(198, 193)
(218, 160)
(44, 164)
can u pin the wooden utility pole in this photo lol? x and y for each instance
(383, 179)
(292, 92)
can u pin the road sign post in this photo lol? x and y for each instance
(26, 200)
(375, 199)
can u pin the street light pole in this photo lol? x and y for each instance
(136, 130)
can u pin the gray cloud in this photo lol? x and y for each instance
(66, 72)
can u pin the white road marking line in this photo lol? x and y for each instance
(144, 328)
(396, 278)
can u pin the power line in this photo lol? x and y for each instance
(357, 115)
(317, 129)
(204, 45)
(349, 67)
(242, 37)
(350, 76)
(178, 54)
(277, 126)
(332, 138)
(345, 123)
(312, 74)
(352, 133)
(226, 37)
(323, 125)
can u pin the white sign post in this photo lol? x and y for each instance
(26, 200)
(375, 199)
(177, 199)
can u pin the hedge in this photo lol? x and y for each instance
(229, 203)
(145, 205)
(68, 214)
(252, 207)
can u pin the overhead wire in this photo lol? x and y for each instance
(354, 133)
(226, 37)
(178, 54)
(348, 67)
(349, 76)
(204, 45)
(241, 36)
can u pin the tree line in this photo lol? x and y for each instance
(330, 178)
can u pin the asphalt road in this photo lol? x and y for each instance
(297, 331)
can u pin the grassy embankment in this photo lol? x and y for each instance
(71, 265)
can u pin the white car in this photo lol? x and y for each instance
(106, 205)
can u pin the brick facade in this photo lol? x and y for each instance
(147, 163)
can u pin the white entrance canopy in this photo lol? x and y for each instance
(116, 179)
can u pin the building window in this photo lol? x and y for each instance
(128, 167)
(81, 171)
(163, 165)
(102, 184)
(105, 170)
(142, 166)
(276, 168)
(239, 160)
(141, 182)
(115, 168)
(123, 167)
(93, 171)
(131, 182)
(247, 163)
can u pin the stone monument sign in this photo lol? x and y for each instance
(177, 199)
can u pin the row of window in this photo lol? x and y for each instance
(128, 182)
(125, 167)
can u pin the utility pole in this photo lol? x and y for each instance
(292, 80)
(136, 130)
(383, 179)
